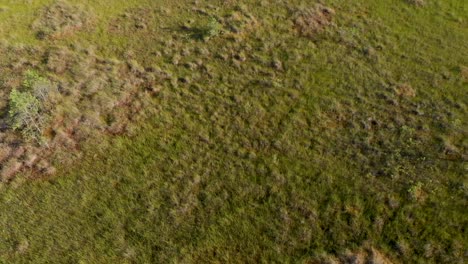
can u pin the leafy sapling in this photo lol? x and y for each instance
(212, 29)
(26, 111)
(25, 114)
(31, 78)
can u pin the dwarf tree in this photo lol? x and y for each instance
(24, 114)
(26, 107)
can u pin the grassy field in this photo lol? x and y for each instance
(259, 143)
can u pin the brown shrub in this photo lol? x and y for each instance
(310, 22)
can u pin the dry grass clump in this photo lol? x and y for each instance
(9, 169)
(61, 18)
(5, 152)
(133, 19)
(371, 256)
(361, 256)
(405, 90)
(240, 21)
(310, 22)
(464, 73)
(416, 2)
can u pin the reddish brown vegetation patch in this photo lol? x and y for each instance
(310, 22)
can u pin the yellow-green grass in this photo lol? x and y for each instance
(244, 162)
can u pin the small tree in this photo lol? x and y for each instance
(213, 28)
(31, 78)
(27, 107)
(25, 114)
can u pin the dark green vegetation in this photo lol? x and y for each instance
(272, 131)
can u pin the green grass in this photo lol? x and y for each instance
(247, 163)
